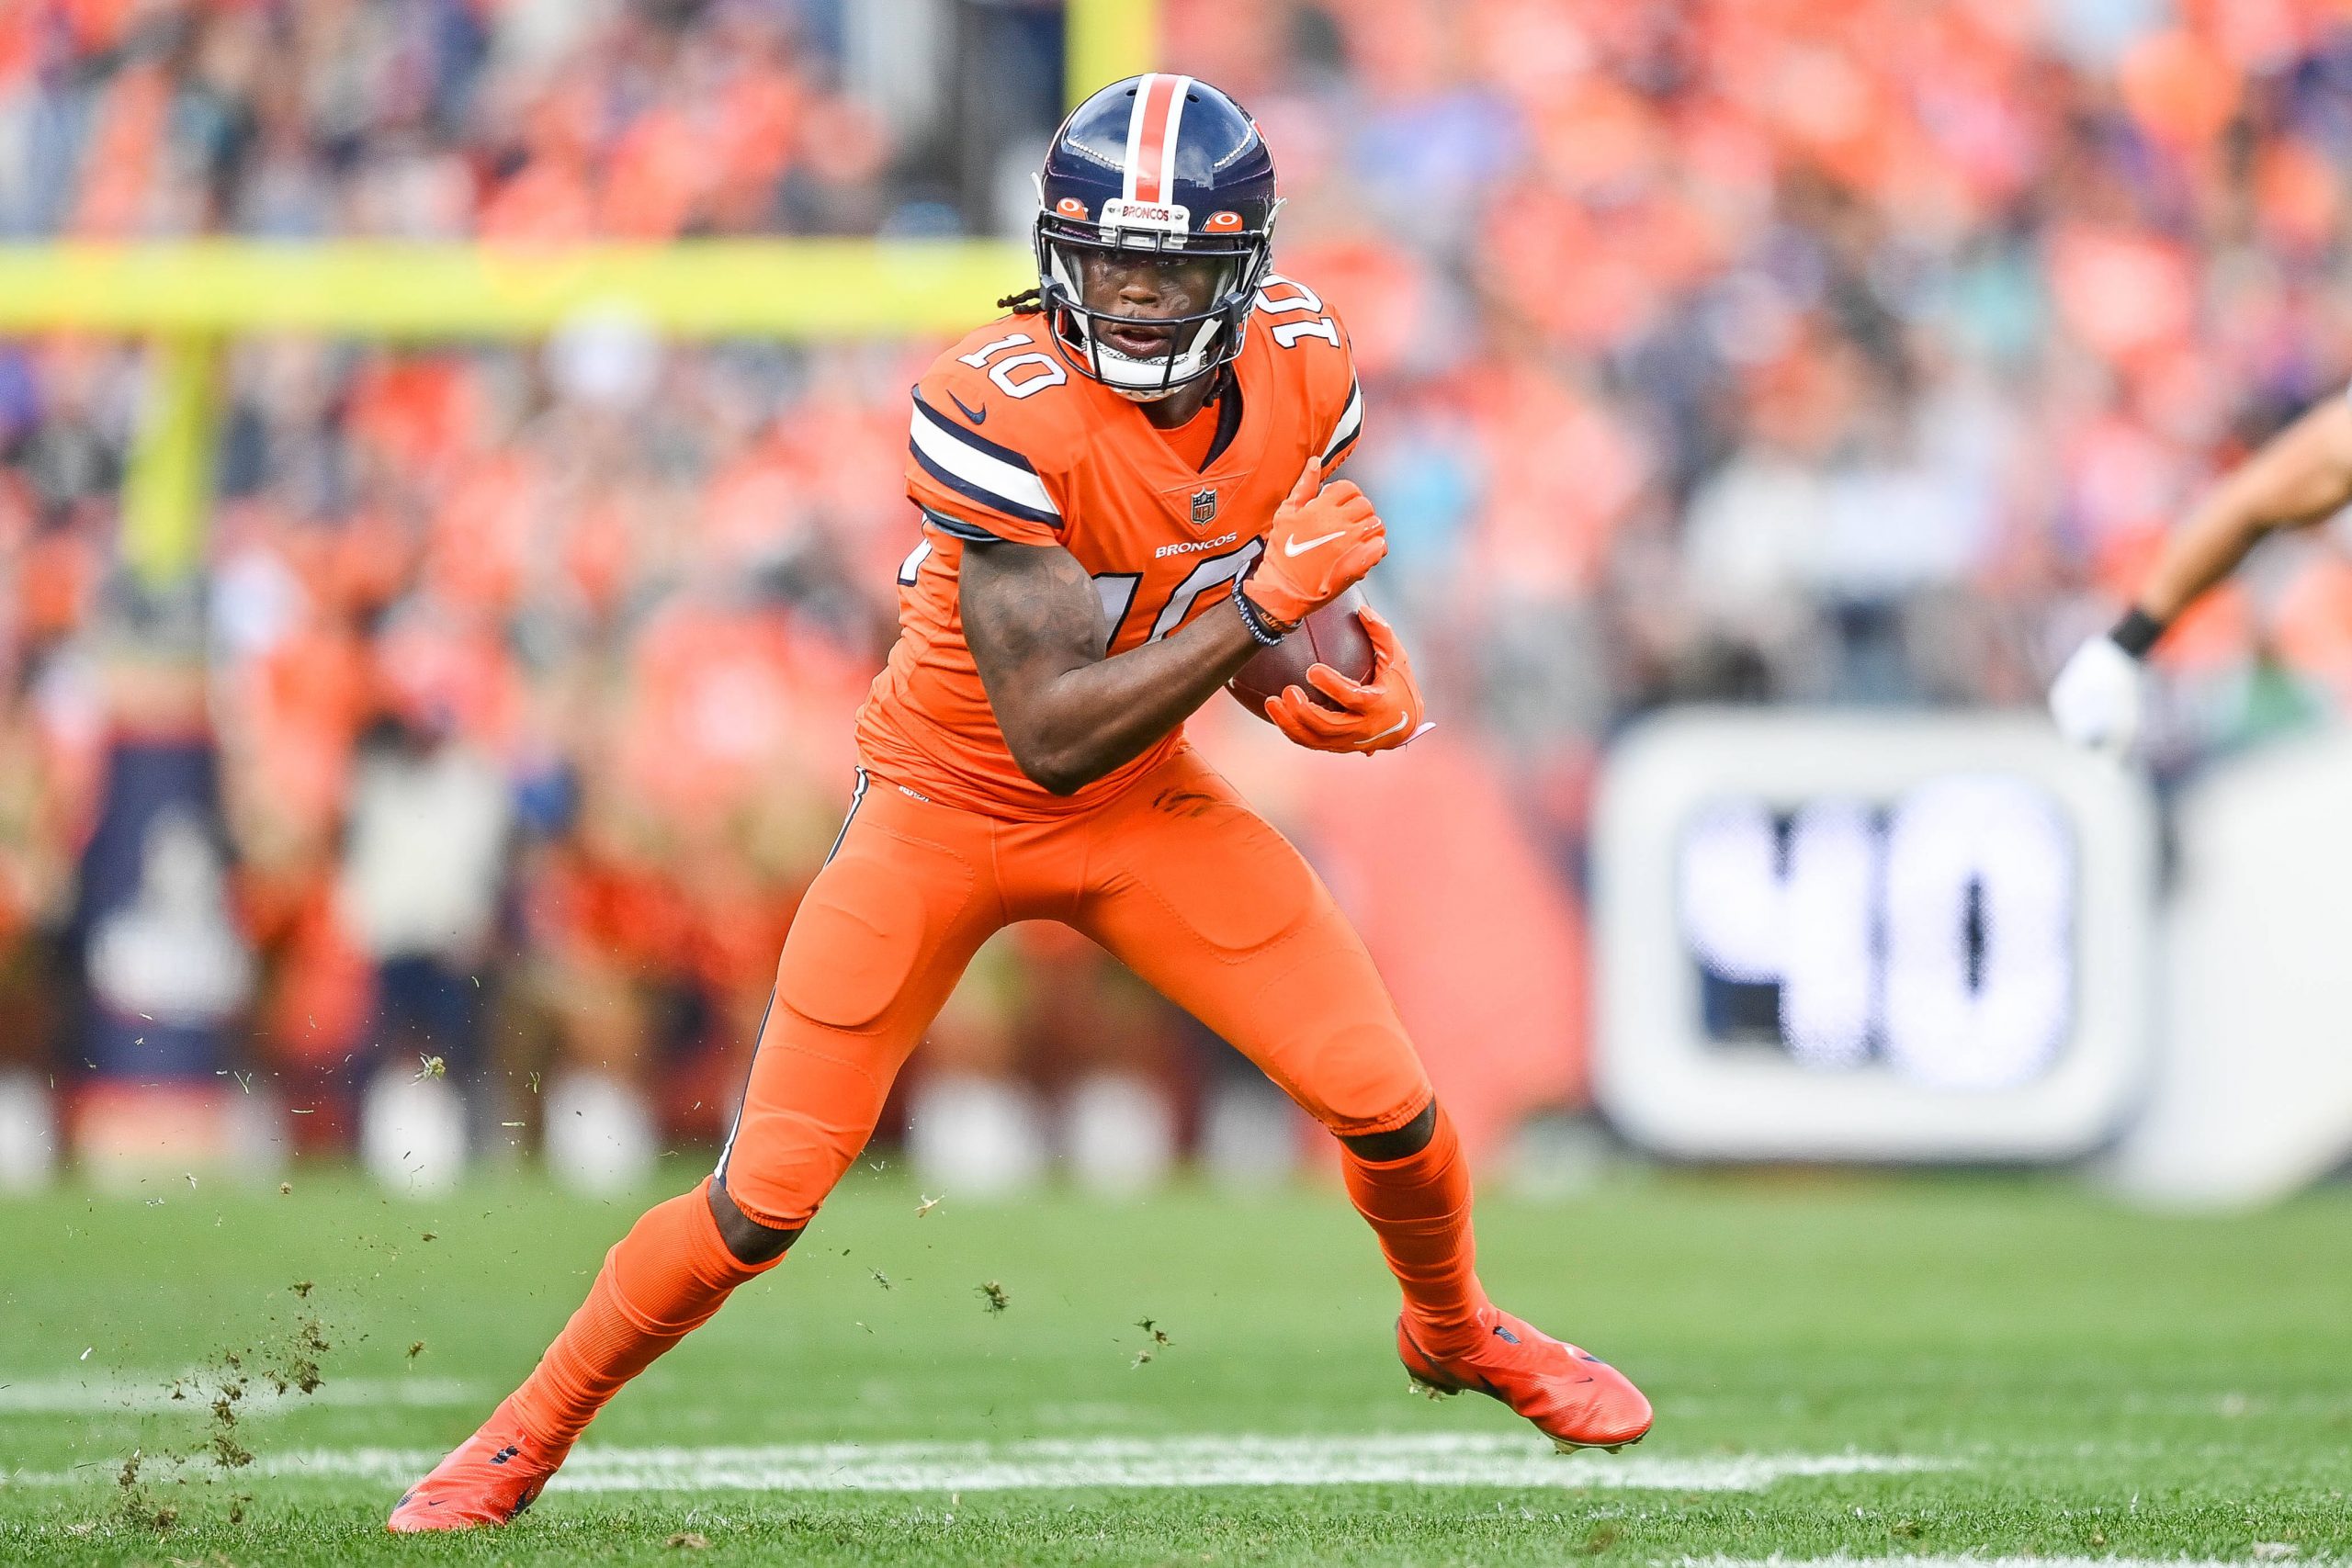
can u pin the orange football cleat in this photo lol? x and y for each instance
(1575, 1398)
(487, 1480)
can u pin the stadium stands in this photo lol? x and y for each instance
(1858, 374)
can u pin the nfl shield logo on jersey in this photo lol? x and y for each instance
(1204, 507)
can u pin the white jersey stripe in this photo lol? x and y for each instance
(1135, 137)
(1014, 488)
(1168, 141)
(1350, 421)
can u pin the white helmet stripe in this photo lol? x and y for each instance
(1167, 170)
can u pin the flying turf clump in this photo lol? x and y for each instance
(301, 1360)
(227, 1451)
(291, 1365)
(140, 1510)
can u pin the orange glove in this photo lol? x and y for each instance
(1321, 543)
(1383, 712)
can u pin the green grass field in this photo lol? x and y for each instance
(1869, 1367)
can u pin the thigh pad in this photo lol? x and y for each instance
(868, 926)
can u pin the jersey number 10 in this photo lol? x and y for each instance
(1025, 375)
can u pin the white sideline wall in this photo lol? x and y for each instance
(2252, 1097)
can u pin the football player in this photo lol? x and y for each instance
(2301, 476)
(1125, 497)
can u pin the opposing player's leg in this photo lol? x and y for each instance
(1205, 900)
(879, 940)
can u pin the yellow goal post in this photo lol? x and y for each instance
(187, 298)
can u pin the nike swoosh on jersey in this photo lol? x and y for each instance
(977, 416)
(1300, 546)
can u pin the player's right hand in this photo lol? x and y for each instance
(1323, 540)
(1382, 712)
(2098, 696)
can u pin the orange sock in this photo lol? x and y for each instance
(660, 1284)
(1419, 1207)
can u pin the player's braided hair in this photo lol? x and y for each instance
(1029, 298)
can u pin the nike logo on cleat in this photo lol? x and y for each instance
(1300, 546)
(977, 416)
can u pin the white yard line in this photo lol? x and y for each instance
(104, 1391)
(1055, 1465)
(1438, 1459)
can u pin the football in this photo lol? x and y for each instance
(1332, 635)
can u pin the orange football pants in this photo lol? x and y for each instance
(1176, 876)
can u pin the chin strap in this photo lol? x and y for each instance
(1075, 331)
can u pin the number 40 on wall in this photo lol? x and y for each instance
(1934, 932)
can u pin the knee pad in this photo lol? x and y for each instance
(1361, 1077)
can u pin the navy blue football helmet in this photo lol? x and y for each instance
(1166, 166)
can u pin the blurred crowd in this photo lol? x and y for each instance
(1850, 351)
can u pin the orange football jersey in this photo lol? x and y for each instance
(1008, 443)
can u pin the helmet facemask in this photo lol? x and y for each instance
(1197, 342)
